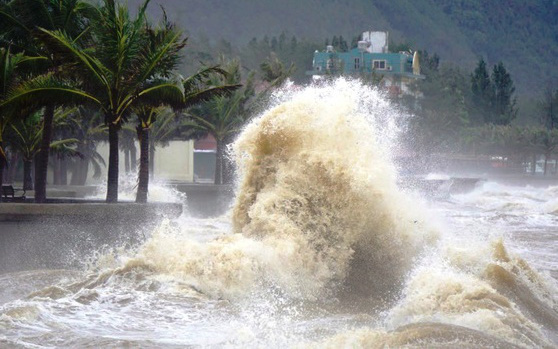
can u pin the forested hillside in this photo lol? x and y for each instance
(524, 35)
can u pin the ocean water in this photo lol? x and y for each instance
(320, 248)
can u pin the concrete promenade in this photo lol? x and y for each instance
(64, 235)
(69, 229)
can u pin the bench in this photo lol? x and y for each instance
(8, 192)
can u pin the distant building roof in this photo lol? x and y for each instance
(371, 56)
(206, 143)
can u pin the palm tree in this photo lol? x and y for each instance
(162, 121)
(128, 146)
(88, 127)
(23, 24)
(25, 138)
(274, 71)
(119, 71)
(13, 67)
(224, 116)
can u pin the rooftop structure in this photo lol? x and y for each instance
(371, 56)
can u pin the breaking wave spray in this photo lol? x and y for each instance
(317, 210)
(318, 215)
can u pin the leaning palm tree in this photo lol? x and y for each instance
(128, 146)
(223, 116)
(197, 88)
(274, 71)
(88, 127)
(118, 71)
(26, 135)
(22, 23)
(13, 68)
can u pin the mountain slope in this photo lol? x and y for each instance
(524, 35)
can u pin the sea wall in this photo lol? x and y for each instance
(67, 234)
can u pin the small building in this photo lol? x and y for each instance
(395, 71)
(205, 151)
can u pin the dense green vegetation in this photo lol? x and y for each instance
(473, 114)
(523, 35)
(76, 73)
(101, 57)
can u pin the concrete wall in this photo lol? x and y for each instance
(65, 235)
(175, 161)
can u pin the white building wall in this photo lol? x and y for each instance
(174, 162)
(378, 41)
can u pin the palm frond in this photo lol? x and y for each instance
(157, 93)
(198, 96)
(161, 54)
(97, 160)
(43, 90)
(68, 51)
(194, 81)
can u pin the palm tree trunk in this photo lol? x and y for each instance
(228, 167)
(143, 180)
(151, 160)
(112, 180)
(133, 157)
(84, 171)
(219, 161)
(2, 166)
(545, 164)
(76, 167)
(42, 157)
(27, 178)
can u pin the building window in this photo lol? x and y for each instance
(380, 65)
(357, 63)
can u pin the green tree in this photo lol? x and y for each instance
(274, 71)
(546, 142)
(343, 46)
(13, 69)
(548, 107)
(428, 63)
(26, 136)
(224, 116)
(441, 114)
(90, 129)
(503, 103)
(197, 88)
(23, 25)
(483, 92)
(118, 71)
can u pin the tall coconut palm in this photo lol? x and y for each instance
(13, 68)
(197, 88)
(223, 116)
(119, 71)
(25, 138)
(128, 146)
(88, 127)
(22, 24)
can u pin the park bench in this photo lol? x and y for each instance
(8, 192)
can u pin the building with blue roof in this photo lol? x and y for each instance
(395, 71)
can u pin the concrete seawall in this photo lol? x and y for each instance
(64, 235)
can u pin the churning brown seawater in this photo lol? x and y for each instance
(320, 249)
